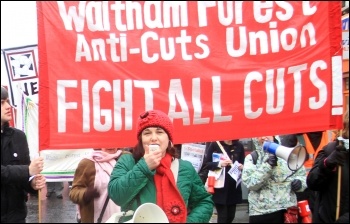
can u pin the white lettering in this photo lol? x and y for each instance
(217, 101)
(176, 93)
(147, 86)
(196, 101)
(98, 112)
(248, 102)
(307, 10)
(270, 91)
(296, 70)
(62, 105)
(119, 104)
(202, 11)
(321, 86)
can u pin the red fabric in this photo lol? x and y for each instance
(168, 196)
(291, 215)
(193, 86)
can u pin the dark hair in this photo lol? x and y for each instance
(4, 93)
(289, 140)
(138, 151)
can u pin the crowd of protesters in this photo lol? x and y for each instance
(114, 180)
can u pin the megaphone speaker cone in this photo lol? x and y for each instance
(149, 213)
(295, 157)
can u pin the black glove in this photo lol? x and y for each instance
(340, 146)
(272, 160)
(337, 157)
(90, 194)
(296, 185)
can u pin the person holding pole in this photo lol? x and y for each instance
(329, 176)
(19, 175)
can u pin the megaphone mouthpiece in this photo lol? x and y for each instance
(270, 147)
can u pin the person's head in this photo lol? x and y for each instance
(6, 115)
(259, 141)
(345, 131)
(107, 150)
(290, 140)
(154, 127)
(262, 139)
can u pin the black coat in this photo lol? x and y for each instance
(325, 182)
(229, 194)
(15, 184)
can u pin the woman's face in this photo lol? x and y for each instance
(155, 136)
(265, 138)
(5, 111)
(109, 150)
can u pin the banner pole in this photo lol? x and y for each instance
(338, 194)
(39, 200)
(39, 206)
(338, 187)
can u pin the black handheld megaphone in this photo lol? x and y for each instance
(295, 157)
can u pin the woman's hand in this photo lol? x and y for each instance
(225, 162)
(153, 158)
(38, 182)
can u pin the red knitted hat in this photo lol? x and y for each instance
(155, 118)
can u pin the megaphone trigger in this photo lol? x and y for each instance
(295, 157)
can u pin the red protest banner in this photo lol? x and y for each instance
(220, 69)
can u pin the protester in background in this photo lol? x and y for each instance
(230, 195)
(323, 178)
(147, 176)
(19, 176)
(313, 142)
(271, 184)
(89, 189)
(55, 187)
(203, 171)
(178, 148)
(291, 141)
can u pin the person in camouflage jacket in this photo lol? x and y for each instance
(271, 184)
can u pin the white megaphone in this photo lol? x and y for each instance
(295, 157)
(149, 213)
(145, 213)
